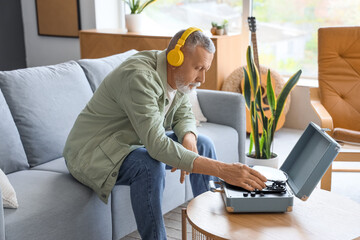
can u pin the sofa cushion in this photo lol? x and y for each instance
(57, 165)
(97, 69)
(45, 102)
(12, 154)
(55, 204)
(225, 139)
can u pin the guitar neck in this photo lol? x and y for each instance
(255, 49)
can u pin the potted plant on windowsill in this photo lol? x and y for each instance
(134, 19)
(263, 154)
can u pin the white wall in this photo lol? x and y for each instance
(44, 50)
(110, 14)
(300, 112)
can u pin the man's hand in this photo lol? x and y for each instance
(189, 142)
(243, 176)
(237, 174)
(182, 174)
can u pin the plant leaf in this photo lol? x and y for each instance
(253, 75)
(270, 93)
(136, 6)
(255, 130)
(247, 89)
(290, 84)
(144, 5)
(251, 143)
(261, 143)
(270, 134)
(259, 107)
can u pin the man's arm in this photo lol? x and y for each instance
(237, 174)
(189, 142)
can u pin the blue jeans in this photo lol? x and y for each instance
(146, 178)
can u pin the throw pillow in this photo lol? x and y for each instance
(199, 116)
(7, 192)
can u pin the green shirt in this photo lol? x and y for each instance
(127, 112)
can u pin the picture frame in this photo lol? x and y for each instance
(60, 18)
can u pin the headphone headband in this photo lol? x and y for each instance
(186, 34)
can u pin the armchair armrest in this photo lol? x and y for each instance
(2, 220)
(320, 110)
(226, 108)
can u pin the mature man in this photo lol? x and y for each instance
(119, 138)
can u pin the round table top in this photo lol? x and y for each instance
(324, 215)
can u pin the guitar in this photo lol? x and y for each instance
(262, 75)
(252, 27)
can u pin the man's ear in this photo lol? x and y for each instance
(171, 66)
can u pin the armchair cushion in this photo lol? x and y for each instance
(339, 75)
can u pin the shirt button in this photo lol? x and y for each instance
(114, 174)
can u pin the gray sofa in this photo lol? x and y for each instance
(38, 107)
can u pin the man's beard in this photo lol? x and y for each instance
(181, 87)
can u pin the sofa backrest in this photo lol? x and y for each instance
(44, 103)
(97, 69)
(12, 154)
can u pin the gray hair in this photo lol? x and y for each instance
(196, 38)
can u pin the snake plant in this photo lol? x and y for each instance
(253, 97)
(135, 7)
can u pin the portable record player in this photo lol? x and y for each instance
(298, 175)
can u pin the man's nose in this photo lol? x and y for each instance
(201, 77)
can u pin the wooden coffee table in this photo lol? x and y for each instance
(324, 215)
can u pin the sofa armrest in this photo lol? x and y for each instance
(320, 110)
(2, 220)
(225, 108)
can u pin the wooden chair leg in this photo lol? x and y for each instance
(183, 224)
(326, 180)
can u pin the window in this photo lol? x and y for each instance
(287, 31)
(171, 15)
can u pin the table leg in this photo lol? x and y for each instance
(183, 223)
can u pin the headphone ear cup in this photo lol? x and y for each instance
(175, 57)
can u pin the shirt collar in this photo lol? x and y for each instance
(161, 67)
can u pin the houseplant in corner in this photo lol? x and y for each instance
(262, 143)
(134, 19)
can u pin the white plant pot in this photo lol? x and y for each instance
(134, 22)
(272, 162)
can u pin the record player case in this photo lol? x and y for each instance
(303, 168)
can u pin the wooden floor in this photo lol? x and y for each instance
(172, 223)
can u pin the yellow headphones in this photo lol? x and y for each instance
(176, 57)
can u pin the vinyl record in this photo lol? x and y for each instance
(272, 174)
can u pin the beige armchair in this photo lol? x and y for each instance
(337, 100)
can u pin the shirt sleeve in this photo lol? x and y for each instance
(140, 101)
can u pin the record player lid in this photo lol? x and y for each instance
(309, 160)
